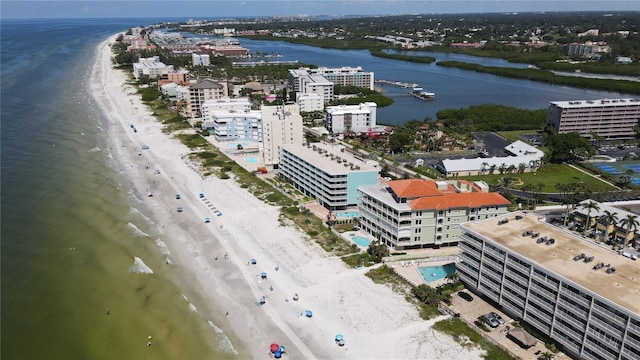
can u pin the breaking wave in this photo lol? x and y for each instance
(139, 267)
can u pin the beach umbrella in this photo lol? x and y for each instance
(253, 261)
(282, 349)
(341, 342)
(263, 275)
(277, 354)
(339, 337)
(275, 347)
(309, 313)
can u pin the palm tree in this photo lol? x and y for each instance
(521, 167)
(502, 168)
(511, 169)
(589, 206)
(608, 219)
(547, 356)
(483, 167)
(492, 168)
(630, 222)
(505, 182)
(528, 189)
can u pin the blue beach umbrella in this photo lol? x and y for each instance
(309, 313)
(339, 337)
(277, 354)
(282, 349)
(263, 275)
(341, 342)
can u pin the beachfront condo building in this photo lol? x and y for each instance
(580, 294)
(417, 213)
(223, 105)
(232, 125)
(151, 67)
(202, 91)
(326, 172)
(280, 125)
(351, 118)
(613, 119)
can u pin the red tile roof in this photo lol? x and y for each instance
(411, 188)
(459, 200)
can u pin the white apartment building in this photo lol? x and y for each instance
(202, 91)
(583, 296)
(200, 59)
(315, 84)
(417, 213)
(235, 125)
(226, 104)
(310, 102)
(151, 67)
(280, 125)
(614, 119)
(589, 48)
(326, 172)
(343, 76)
(351, 118)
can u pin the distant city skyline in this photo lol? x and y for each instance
(27, 9)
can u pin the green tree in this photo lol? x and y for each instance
(608, 219)
(589, 206)
(377, 250)
(629, 222)
(568, 147)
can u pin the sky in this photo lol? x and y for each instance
(261, 8)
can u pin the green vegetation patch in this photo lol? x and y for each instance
(461, 332)
(622, 86)
(549, 175)
(492, 117)
(403, 57)
(193, 141)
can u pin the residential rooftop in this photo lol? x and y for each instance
(592, 103)
(331, 158)
(621, 287)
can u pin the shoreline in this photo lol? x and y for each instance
(375, 321)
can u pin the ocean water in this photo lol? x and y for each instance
(75, 242)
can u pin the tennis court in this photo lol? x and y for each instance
(634, 167)
(609, 169)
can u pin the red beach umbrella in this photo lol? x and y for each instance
(274, 347)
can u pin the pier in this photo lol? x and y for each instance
(397, 83)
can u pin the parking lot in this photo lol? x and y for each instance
(470, 311)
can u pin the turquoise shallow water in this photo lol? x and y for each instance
(433, 273)
(71, 228)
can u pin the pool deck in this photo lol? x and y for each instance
(410, 272)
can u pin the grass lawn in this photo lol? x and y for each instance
(549, 175)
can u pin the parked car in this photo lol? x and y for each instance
(497, 317)
(465, 296)
(490, 320)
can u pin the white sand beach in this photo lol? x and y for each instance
(376, 322)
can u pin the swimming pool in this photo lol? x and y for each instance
(251, 159)
(346, 214)
(235, 145)
(361, 241)
(433, 273)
